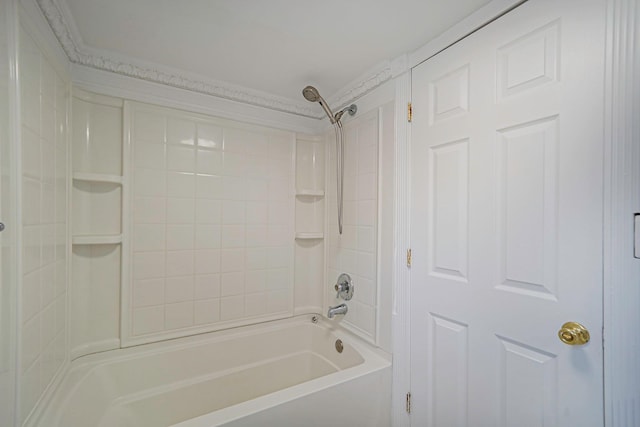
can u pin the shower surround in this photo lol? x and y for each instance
(194, 224)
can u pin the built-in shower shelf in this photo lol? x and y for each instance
(310, 192)
(309, 236)
(97, 177)
(97, 239)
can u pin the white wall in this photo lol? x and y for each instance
(44, 94)
(171, 217)
(8, 289)
(164, 194)
(364, 248)
(212, 227)
(164, 221)
(355, 250)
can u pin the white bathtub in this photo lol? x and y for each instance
(283, 373)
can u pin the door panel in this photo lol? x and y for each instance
(527, 208)
(507, 222)
(448, 210)
(449, 384)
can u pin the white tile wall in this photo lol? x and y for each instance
(212, 223)
(355, 251)
(97, 124)
(44, 96)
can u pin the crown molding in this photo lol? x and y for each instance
(124, 87)
(61, 22)
(363, 85)
(58, 25)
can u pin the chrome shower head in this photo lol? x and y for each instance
(311, 94)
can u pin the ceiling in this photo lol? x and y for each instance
(261, 52)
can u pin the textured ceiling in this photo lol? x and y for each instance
(275, 47)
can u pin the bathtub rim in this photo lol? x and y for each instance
(373, 363)
(132, 352)
(375, 360)
(77, 370)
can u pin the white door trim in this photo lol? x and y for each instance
(10, 365)
(621, 281)
(400, 314)
(622, 199)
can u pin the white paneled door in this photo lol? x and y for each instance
(506, 228)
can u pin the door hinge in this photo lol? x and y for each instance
(408, 257)
(636, 235)
(409, 112)
(408, 403)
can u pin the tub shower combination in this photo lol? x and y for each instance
(287, 370)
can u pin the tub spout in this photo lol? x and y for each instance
(338, 309)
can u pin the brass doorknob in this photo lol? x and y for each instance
(573, 333)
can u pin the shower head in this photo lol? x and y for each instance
(311, 94)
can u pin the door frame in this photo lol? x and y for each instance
(9, 324)
(621, 157)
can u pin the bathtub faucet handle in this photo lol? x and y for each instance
(344, 287)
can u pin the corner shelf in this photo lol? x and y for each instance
(97, 177)
(310, 192)
(97, 239)
(309, 236)
(96, 199)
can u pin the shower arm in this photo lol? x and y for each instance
(351, 109)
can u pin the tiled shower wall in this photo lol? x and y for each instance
(355, 251)
(44, 96)
(212, 223)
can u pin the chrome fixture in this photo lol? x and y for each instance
(311, 94)
(344, 287)
(338, 309)
(339, 346)
(351, 109)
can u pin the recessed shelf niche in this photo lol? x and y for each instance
(96, 206)
(309, 236)
(309, 216)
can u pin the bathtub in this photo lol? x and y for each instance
(282, 373)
